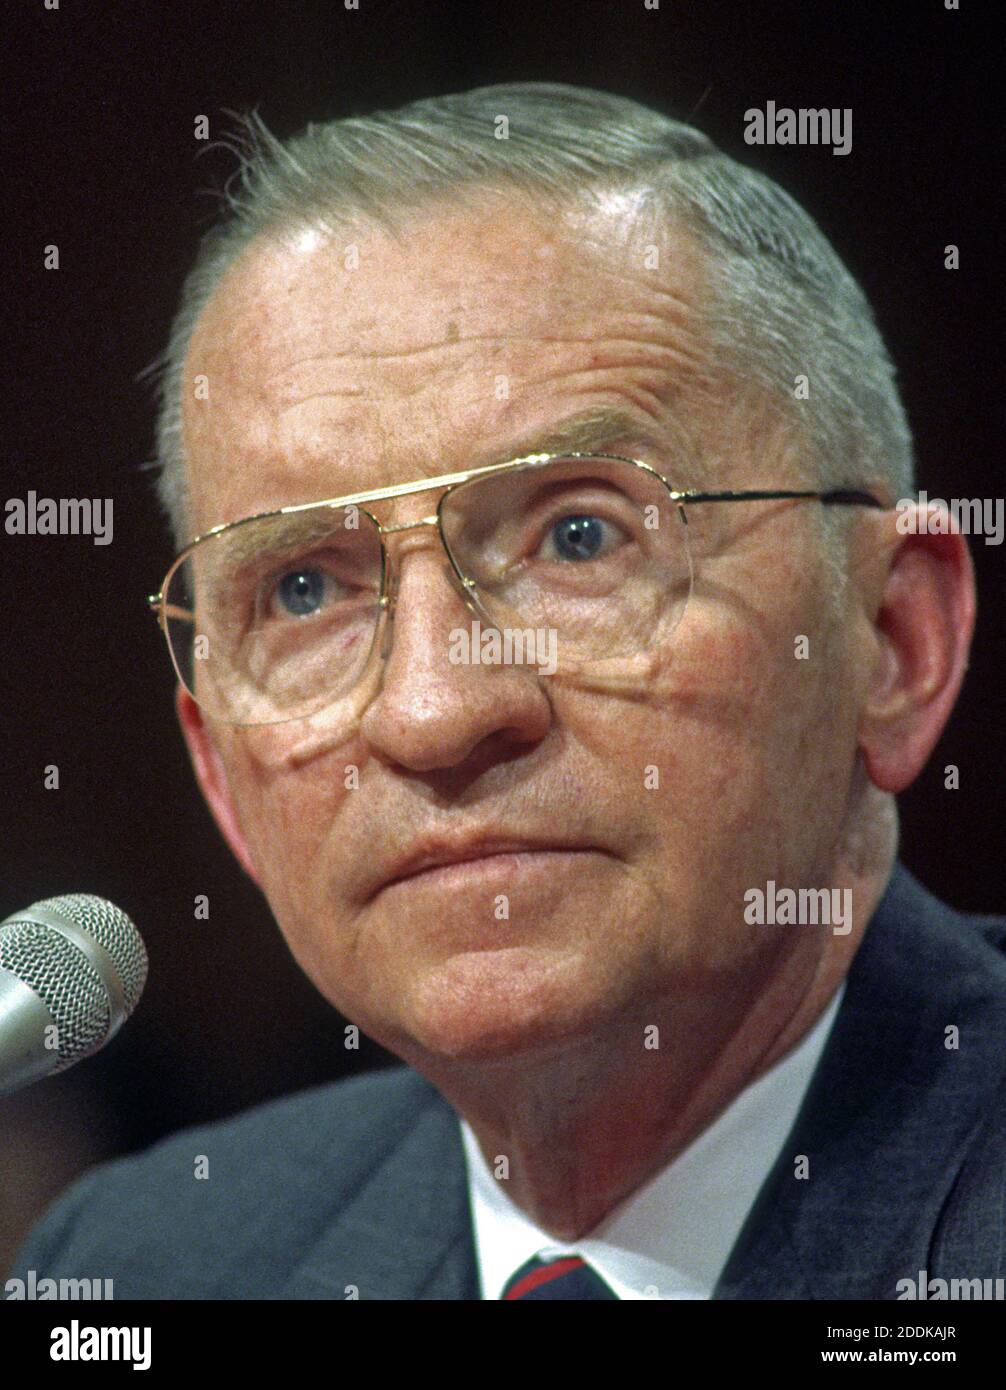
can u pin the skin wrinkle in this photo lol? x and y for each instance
(590, 345)
(653, 394)
(532, 1026)
(406, 354)
(679, 360)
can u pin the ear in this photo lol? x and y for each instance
(212, 778)
(923, 630)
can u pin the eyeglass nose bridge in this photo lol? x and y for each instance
(462, 585)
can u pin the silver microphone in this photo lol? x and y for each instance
(72, 970)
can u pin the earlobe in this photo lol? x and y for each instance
(922, 631)
(212, 778)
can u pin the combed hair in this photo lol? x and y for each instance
(782, 304)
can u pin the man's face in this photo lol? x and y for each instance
(650, 807)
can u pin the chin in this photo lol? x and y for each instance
(495, 1004)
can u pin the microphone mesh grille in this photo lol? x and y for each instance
(113, 930)
(65, 980)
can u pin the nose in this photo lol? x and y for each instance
(431, 712)
(422, 541)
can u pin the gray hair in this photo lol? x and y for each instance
(782, 303)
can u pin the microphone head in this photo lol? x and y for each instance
(84, 958)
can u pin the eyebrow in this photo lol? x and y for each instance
(599, 428)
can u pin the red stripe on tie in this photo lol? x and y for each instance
(537, 1277)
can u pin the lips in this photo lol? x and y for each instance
(441, 854)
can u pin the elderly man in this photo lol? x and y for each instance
(550, 653)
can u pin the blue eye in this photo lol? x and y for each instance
(301, 592)
(578, 537)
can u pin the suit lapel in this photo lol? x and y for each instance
(406, 1232)
(887, 1118)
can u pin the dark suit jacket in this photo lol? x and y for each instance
(362, 1184)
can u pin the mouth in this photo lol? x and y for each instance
(484, 864)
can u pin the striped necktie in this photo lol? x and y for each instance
(567, 1277)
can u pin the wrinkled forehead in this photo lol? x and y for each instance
(326, 362)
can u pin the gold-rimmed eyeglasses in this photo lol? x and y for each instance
(276, 616)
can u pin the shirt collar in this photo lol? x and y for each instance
(671, 1238)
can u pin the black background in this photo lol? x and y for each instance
(100, 101)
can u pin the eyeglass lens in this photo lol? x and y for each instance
(275, 619)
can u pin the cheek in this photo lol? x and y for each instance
(736, 734)
(288, 804)
(773, 731)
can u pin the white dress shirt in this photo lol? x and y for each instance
(671, 1238)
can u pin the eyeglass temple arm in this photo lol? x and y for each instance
(838, 497)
